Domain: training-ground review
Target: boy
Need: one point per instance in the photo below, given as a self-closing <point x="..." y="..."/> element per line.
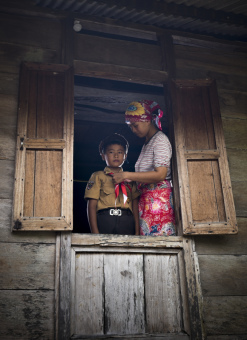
<point x="112" y="209"/>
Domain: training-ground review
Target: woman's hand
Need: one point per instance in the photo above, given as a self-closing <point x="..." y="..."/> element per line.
<point x="119" y="177"/>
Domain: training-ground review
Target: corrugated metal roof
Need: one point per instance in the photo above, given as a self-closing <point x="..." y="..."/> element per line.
<point x="225" y="19"/>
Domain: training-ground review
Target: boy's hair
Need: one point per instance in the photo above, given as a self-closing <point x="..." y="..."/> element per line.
<point x="115" y="138"/>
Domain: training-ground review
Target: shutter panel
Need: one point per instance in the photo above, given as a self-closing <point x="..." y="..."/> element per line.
<point x="43" y="190"/>
<point x="207" y="205"/>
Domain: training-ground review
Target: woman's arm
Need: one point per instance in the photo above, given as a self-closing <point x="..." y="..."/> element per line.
<point x="159" y="174"/>
<point x="136" y="216"/>
<point x="92" y="215"/>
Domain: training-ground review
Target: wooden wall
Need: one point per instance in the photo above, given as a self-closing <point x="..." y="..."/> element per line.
<point x="223" y="259"/>
<point x="27" y="259"/>
<point x="27" y="272"/>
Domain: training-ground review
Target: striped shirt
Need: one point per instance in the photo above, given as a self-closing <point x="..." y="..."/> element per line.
<point x="157" y="152"/>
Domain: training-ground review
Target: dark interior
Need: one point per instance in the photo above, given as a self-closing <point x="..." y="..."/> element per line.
<point x="99" y="111"/>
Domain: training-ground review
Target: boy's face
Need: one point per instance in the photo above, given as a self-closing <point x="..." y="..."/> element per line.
<point x="114" y="155"/>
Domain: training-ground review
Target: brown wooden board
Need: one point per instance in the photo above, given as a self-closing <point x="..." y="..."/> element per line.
<point x="226" y="314"/>
<point x="117" y="52"/>
<point x="224" y="244"/>
<point x="27" y="314"/>
<point x="27" y="266"/>
<point x="223" y="275"/>
<point x="205" y="188"/>
<point x="43" y="182"/>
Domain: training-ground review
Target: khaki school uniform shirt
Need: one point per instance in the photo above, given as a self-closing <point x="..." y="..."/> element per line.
<point x="101" y="188"/>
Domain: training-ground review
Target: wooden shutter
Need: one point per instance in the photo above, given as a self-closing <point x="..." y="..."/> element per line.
<point x="207" y="205"/>
<point x="43" y="190"/>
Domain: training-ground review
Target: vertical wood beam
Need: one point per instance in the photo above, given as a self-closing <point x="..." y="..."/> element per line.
<point x="194" y="290"/>
<point x="63" y="244"/>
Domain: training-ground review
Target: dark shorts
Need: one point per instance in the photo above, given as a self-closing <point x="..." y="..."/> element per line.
<point x="110" y="222"/>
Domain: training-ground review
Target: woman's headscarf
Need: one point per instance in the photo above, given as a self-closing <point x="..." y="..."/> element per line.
<point x="144" y="111"/>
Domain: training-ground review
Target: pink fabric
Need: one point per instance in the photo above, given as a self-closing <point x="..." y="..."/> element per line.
<point x="156" y="209"/>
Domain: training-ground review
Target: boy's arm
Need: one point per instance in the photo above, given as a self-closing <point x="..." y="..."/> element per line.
<point x="136" y="215"/>
<point x="92" y="215"/>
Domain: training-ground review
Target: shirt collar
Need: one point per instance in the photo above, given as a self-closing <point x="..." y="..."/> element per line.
<point x="107" y="170"/>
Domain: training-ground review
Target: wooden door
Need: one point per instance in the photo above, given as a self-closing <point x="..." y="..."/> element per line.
<point x="128" y="285"/>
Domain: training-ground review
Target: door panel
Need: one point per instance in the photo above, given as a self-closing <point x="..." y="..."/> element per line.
<point x="127" y="290"/>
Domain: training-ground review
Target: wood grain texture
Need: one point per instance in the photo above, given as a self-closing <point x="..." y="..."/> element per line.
<point x="36" y="31"/>
<point x="119" y="72"/>
<point x="124" y="294"/>
<point x="7" y="143"/>
<point x="224" y="244"/>
<point x="233" y="103"/>
<point x="26" y="237"/>
<point x="7" y="179"/>
<point x="223" y="275"/>
<point x="113" y="51"/>
<point x="237" y="159"/>
<point x="27" y="314"/>
<point x="88" y="300"/>
<point x="225" y="315"/>
<point x="239" y="190"/>
<point x="235" y="133"/>
<point x="162" y="294"/>
<point x="11" y="64"/>
<point x="27" y="266"/>
<point x="127" y="241"/>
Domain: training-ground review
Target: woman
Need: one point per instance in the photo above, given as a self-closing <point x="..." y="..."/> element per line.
<point x="152" y="170"/>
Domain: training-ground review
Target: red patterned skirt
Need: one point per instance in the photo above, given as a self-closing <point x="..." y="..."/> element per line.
<point x="156" y="209"/>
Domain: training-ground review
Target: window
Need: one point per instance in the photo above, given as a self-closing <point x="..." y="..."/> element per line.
<point x="44" y="153"/>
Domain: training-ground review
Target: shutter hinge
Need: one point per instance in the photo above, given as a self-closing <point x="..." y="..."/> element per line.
<point x="22" y="143"/>
<point x="17" y="225"/>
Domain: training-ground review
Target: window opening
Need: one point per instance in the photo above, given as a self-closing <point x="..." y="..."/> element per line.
<point x="99" y="111"/>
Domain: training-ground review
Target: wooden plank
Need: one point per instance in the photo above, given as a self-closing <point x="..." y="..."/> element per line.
<point x="43" y="143"/>
<point x="117" y="29"/>
<point x="27" y="314"/>
<point x="7" y="143"/>
<point x="195" y="303"/>
<point x="8" y="236"/>
<point x="224" y="244"/>
<point x="124" y="295"/>
<point x="162" y="294"/>
<point x="8" y="111"/>
<point x="63" y="319"/>
<point x="43" y="223"/>
<point x="48" y="180"/>
<point x="223" y="275"/>
<point x="239" y="189"/>
<point x="135" y="337"/>
<point x="117" y="52"/>
<point x="213" y="60"/>
<point x="201" y="154"/>
<point x="127" y="241"/>
<point x="224" y="81"/>
<point x="36" y="31"/>
<point x="10" y="64"/>
<point x="9" y="84"/>
<point x="88" y="309"/>
<point x="235" y="132"/>
<point x="233" y="103"/>
<point x="27" y="266"/>
<point x="237" y="159"/>
<point x="120" y="73"/>
<point x="7" y="179"/>
<point x="204" y="202"/>
<point x="220" y="311"/>
<point x="132" y="250"/>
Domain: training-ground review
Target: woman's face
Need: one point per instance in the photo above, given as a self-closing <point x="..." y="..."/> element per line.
<point x="140" y="129"/>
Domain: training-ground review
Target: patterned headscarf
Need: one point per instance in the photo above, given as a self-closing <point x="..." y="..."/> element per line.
<point x="144" y="111"/>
